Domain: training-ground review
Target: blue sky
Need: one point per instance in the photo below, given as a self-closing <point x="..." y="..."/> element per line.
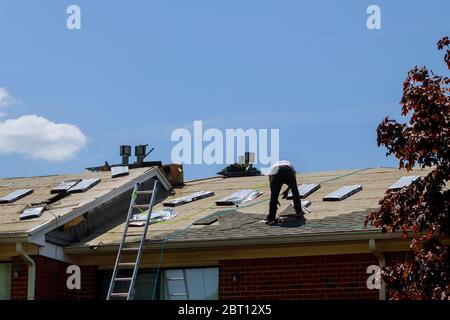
<point x="137" y="70"/>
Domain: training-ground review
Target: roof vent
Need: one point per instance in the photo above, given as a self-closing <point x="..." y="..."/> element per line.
<point x="141" y="153"/>
<point x="125" y="153"/>
<point x="244" y="167"/>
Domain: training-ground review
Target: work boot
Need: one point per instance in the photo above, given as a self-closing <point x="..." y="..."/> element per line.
<point x="272" y="222"/>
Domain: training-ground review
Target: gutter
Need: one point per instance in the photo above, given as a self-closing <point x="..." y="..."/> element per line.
<point x="31" y="271"/>
<point x="381" y="263"/>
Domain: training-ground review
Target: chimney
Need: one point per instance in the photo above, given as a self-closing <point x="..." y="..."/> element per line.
<point x="125" y="153"/>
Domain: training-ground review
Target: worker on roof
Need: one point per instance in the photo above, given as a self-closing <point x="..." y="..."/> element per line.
<point x="282" y="172"/>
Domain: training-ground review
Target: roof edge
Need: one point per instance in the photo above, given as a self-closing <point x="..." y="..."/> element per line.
<point x="198" y="244"/>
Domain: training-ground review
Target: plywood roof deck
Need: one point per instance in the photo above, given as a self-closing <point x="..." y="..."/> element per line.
<point x="374" y="181"/>
<point x="10" y="224"/>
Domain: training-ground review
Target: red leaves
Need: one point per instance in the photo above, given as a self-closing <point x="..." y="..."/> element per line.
<point x="422" y="207"/>
<point x="445" y="42"/>
<point x="426" y="277"/>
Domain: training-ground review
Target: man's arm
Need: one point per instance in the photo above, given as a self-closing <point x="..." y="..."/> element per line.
<point x="285" y="193"/>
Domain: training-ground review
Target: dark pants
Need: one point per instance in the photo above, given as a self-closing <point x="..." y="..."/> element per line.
<point x="285" y="175"/>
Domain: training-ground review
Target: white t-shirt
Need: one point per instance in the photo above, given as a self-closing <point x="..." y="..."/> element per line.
<point x="280" y="163"/>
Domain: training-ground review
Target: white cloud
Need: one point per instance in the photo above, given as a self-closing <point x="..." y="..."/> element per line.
<point x="40" y="138"/>
<point x="5" y="98"/>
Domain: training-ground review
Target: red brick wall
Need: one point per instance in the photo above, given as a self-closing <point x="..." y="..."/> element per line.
<point x="51" y="280"/>
<point x="19" y="279"/>
<point x="317" y="277"/>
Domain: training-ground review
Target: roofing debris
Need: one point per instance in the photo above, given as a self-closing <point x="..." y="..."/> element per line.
<point x="239" y="197"/>
<point x="404" y="182"/>
<point x="165" y="214"/>
<point x="343" y="193"/>
<point x="64" y="186"/>
<point x="15" y="195"/>
<point x="84" y="185"/>
<point x="305" y="189"/>
<point x="189" y="198"/>
<point x="32" y="212"/>
<point x="119" y="171"/>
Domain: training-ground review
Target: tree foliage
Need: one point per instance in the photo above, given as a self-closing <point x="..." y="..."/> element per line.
<point x="422" y="208"/>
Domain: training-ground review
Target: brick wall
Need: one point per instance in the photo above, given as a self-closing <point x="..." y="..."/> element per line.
<point x="19" y="279"/>
<point x="317" y="277"/>
<point x="51" y="280"/>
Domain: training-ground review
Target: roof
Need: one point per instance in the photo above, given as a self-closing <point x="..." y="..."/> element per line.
<point x="67" y="208"/>
<point x="244" y="223"/>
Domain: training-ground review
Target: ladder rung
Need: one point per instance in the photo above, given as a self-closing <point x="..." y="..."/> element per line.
<point x="141" y="206"/>
<point x="119" y="295"/>
<point x="131" y="235"/>
<point x="123" y="279"/>
<point x="127" y="264"/>
<point x="137" y="220"/>
<point x="130" y="249"/>
<point x="144" y="192"/>
<point x="175" y="279"/>
<point x="132" y="232"/>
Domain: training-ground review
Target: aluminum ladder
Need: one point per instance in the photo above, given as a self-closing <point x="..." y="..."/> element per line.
<point x="170" y="295"/>
<point x="119" y="265"/>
